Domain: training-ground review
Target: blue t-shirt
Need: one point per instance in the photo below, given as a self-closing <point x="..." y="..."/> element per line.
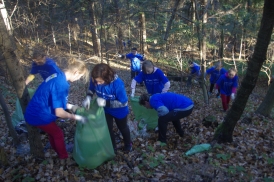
<point x="166" y="102"/>
<point x="215" y="74"/>
<point x="51" y="94"/>
<point x="226" y="84"/>
<point x="154" y="82"/>
<point x="113" y="91"/>
<point x="46" y="69"/>
<point x="135" y="61"/>
<point x="195" y="69"/>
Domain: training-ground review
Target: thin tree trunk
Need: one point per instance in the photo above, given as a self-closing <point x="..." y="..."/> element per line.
<point x="94" y="32"/>
<point x="8" y="120"/>
<point x="8" y="50"/>
<point x="268" y="102"/>
<point x="225" y="130"/>
<point x="143" y="33"/>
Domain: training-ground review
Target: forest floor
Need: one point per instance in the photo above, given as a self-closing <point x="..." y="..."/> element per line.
<point x="250" y="157"/>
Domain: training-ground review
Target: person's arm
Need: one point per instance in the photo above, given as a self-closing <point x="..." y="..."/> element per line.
<point x="166" y="87"/>
<point x="61" y="113"/>
<point x="29" y="79"/>
<point x="133" y="87"/>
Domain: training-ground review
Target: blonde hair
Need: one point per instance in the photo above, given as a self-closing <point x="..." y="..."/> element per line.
<point x="77" y="65"/>
<point x="232" y="69"/>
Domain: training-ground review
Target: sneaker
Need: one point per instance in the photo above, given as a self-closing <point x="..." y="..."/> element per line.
<point x="128" y="148"/>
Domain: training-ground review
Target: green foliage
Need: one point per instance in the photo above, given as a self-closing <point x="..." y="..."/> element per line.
<point x="28" y="179"/>
<point x="223" y="156"/>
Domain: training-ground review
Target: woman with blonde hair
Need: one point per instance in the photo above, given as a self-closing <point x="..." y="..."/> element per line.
<point x="49" y="102"/>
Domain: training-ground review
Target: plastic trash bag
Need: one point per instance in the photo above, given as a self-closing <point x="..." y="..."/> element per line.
<point x="198" y="148"/>
<point x="92" y="142"/>
<point x="149" y="116"/>
<point x="18" y="116"/>
<point x="143" y="129"/>
<point x="133" y="128"/>
<point x="23" y="149"/>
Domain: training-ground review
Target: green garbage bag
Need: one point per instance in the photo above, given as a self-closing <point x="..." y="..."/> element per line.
<point x="18" y="115"/>
<point x="92" y="142"/>
<point x="198" y="148"/>
<point x="147" y="116"/>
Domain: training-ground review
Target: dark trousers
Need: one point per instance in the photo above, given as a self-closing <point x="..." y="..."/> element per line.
<point x="123" y="128"/>
<point x="211" y="88"/>
<point x="134" y="73"/>
<point x="175" y="117"/>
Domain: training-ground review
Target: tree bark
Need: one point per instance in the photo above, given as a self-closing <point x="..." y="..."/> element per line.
<point x="8" y="120"/>
<point x="225" y="131"/>
<point x="94" y="32"/>
<point x="8" y="49"/>
<point x="143" y="33"/>
<point x="268" y="102"/>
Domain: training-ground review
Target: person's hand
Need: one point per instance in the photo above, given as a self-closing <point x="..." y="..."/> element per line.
<point x="81" y="119"/>
<point x="132" y="92"/>
<point x="86" y="102"/>
<point x="232" y="96"/>
<point x="132" y="95"/>
<point x="101" y="102"/>
<point x="74" y="108"/>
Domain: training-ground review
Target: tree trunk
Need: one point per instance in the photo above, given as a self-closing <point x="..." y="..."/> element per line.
<point x="8" y="120"/>
<point x="225" y="131"/>
<point x="94" y="32"/>
<point x="143" y="33"/>
<point x="8" y="49"/>
<point x="171" y="19"/>
<point x="268" y="102"/>
<point x="119" y="28"/>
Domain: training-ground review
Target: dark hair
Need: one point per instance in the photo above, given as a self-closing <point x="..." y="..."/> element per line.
<point x="134" y="49"/>
<point x="143" y="98"/>
<point x="103" y="71"/>
<point x="38" y="54"/>
<point x="147" y="64"/>
<point x="190" y="62"/>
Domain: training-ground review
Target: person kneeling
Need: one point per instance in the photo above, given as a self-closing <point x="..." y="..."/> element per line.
<point x="170" y="107"/>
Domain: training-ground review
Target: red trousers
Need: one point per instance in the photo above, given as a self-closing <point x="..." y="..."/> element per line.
<point x="225" y="101"/>
<point x="56" y="139"/>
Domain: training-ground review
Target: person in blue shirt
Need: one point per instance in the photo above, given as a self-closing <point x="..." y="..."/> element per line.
<point x="170" y="107"/>
<point x="135" y="61"/>
<point x="227" y="83"/>
<point x="111" y="94"/>
<point x="154" y="79"/>
<point x="215" y="72"/>
<point x="41" y="64"/>
<point x="194" y="72"/>
<point x="49" y="102"/>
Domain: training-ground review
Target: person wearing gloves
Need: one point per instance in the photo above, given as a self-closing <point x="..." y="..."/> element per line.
<point x="227" y="83"/>
<point x="154" y="79"/>
<point x="170" y="107"/>
<point x="50" y="101"/>
<point x="194" y="72"/>
<point x="111" y="95"/>
<point x="42" y="65"/>
<point x="135" y="61"/>
<point x="215" y="72"/>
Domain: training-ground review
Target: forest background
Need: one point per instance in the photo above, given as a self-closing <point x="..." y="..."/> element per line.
<point x="170" y="33"/>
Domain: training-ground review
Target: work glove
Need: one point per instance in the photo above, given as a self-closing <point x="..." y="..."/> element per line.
<point x="86" y="102"/>
<point x="232" y="96"/>
<point x="72" y="108"/>
<point x="81" y="119"/>
<point x="101" y="102"/>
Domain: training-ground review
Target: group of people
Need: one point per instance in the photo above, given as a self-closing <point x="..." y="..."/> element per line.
<point x="50" y="100"/>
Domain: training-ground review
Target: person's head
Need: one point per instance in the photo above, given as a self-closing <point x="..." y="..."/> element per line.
<point x="147" y="67"/>
<point x="134" y="50"/>
<point x="218" y="65"/>
<point x="102" y="74"/>
<point x="144" y="101"/>
<point x="76" y="69"/>
<point x="39" y="57"/>
<point x="231" y="73"/>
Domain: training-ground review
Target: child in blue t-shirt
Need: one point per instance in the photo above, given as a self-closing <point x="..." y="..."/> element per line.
<point x="135" y="61"/>
<point x="194" y="72"/>
<point x="42" y="65"/>
<point x="49" y="102"/>
<point x="111" y="94"/>
<point x="215" y="72"/>
<point x="154" y="79"/>
<point x="170" y="107"/>
<point x="227" y="83"/>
